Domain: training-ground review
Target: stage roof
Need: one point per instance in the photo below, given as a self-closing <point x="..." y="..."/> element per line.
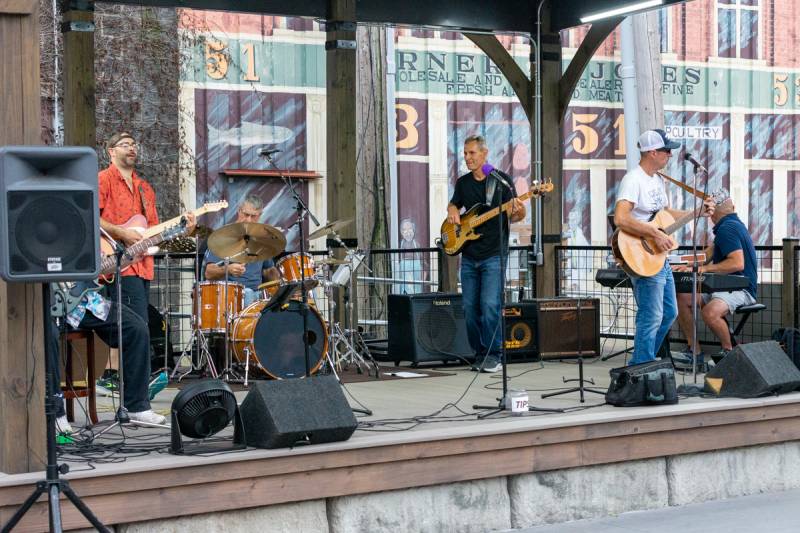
<point x="461" y="15"/>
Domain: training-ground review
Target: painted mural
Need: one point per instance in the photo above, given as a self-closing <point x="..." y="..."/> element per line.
<point x="254" y="81"/>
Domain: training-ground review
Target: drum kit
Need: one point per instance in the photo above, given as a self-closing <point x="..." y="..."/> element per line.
<point x="265" y="339"/>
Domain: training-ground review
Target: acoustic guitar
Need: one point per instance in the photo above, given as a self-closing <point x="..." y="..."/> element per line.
<point x="455" y="236"/>
<point x="637" y="255"/>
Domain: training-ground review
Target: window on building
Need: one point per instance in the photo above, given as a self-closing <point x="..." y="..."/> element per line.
<point x="737" y="28"/>
<point x="665" y="29"/>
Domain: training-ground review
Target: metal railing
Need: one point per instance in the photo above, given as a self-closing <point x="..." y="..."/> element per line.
<point x="578" y="266"/>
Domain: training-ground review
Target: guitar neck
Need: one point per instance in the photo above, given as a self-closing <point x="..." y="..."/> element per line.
<point x="109" y="263"/>
<point x="680" y="222"/>
<point x="491" y="213"/>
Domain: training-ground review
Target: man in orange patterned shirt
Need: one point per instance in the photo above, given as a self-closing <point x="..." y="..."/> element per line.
<point x="123" y="194"/>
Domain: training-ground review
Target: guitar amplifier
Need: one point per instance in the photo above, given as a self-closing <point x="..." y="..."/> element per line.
<point x="566" y="326"/>
<point x="427" y="327"/>
<point x="521" y="335"/>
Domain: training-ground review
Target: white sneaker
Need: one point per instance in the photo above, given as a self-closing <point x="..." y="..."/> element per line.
<point x="148" y="417"/>
<point x="63" y="425"/>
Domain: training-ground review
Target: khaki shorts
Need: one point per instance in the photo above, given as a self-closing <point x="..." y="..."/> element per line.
<point x="734" y="300"/>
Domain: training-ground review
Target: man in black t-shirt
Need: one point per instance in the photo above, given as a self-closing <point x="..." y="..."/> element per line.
<point x="481" y="265"/>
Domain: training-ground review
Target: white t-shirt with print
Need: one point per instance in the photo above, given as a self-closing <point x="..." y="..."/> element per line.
<point x="645" y="192"/>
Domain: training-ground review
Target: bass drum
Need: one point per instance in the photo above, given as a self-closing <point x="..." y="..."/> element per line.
<point x="274" y="340"/>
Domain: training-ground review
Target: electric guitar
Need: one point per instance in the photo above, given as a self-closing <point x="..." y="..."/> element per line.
<point x="139" y="224"/>
<point x="209" y="207"/>
<point x="455" y="236"/>
<point x="638" y="256"/>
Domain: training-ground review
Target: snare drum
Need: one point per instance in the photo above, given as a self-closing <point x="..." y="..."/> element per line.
<point x="274" y="340"/>
<point x="210" y="311"/>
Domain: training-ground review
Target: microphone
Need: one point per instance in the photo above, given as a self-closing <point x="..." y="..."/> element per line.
<point x="489" y="170"/>
<point x="267" y="152"/>
<point x="688" y="157"/>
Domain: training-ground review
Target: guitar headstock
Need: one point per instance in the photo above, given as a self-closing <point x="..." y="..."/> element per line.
<point x="213" y="207"/>
<point x="538" y="189"/>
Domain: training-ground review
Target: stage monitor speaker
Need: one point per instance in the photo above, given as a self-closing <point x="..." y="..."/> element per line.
<point x="290" y="412"/>
<point x="427" y="327"/>
<point x="754" y="369"/>
<point x="49" y="220"/>
<point x="521" y="333"/>
<point x="562" y="332"/>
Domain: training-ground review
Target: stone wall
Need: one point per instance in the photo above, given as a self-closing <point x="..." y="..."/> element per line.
<point x="519" y="501"/>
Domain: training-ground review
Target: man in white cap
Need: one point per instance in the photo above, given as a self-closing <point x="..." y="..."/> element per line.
<point x="640" y="196"/>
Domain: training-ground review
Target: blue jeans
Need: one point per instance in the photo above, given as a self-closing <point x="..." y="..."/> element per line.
<point x="657" y="310"/>
<point x="481" y="280"/>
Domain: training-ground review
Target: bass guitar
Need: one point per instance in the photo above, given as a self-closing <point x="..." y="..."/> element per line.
<point x="638" y="255"/>
<point x="455" y="236"/>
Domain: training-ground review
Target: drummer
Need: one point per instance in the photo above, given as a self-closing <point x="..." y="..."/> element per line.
<point x="251" y="275"/>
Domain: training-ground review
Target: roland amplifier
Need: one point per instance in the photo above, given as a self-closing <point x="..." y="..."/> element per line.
<point x="427" y="327"/>
<point x="566" y="327"/>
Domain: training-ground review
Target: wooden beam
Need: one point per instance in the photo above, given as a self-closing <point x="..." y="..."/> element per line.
<point x="552" y="150"/>
<point x="501" y="57"/>
<point x="598" y="33"/>
<point x="22" y="429"/>
<point x="79" y="86"/>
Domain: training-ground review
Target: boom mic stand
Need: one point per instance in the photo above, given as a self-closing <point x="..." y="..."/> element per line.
<point x="302" y="210"/>
<point x="53" y="485"/>
<point x="504" y="402"/>
<point x="698" y="169"/>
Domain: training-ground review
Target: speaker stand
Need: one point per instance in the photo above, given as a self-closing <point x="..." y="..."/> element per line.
<point x="52" y="485"/>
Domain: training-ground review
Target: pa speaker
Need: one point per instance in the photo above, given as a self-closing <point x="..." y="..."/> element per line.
<point x="754" y="369"/>
<point x="286" y="413"/>
<point x="427" y="327"/>
<point x="49" y="221"/>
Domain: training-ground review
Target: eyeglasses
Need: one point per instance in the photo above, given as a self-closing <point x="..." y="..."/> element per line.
<point x="127" y="145"/>
<point x="249" y="215"/>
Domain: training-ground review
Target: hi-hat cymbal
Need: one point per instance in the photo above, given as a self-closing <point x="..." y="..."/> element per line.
<point x="332" y="261"/>
<point x="179" y="245"/>
<point x="329" y="228"/>
<point x="247" y="242"/>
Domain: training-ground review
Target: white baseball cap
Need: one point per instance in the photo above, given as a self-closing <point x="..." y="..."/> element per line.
<point x="655" y="139"/>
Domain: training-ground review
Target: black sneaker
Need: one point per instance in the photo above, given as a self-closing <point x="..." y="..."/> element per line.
<point x="476" y="366"/>
<point x="717" y="357"/>
<point x="491" y="364"/>
<point x="683" y="360"/>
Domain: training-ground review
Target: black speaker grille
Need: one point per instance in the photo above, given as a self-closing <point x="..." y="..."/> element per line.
<point x="45" y="224"/>
<point x="436" y="329"/>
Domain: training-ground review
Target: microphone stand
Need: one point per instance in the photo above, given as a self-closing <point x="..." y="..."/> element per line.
<point x="504" y="403"/>
<point x="698" y="169"/>
<point x="302" y="210"/>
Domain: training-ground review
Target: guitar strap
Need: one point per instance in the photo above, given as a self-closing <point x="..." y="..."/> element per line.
<point x="491" y="186"/>
<point x="144" y="202"/>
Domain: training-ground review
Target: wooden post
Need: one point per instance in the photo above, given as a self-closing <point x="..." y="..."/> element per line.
<point x="22" y="427"/>
<point x="790" y="277"/>
<point x="647" y="62"/>
<point x="341" y="102"/>
<point x="551" y="163"/>
<point x="79" y="87"/>
<point x="448" y="273"/>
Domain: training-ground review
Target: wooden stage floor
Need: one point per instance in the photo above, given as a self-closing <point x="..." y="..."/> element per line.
<point x="423" y="431"/>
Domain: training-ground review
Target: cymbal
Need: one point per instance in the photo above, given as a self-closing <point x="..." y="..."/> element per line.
<point x="247" y="242"/>
<point x="332" y="261"/>
<point x="329" y="228"/>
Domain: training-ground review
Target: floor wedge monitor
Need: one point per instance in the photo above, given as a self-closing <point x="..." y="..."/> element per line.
<point x="754" y="369"/>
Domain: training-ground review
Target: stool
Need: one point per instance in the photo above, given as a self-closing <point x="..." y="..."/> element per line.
<point x="71" y="391"/>
<point x="745" y="311"/>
